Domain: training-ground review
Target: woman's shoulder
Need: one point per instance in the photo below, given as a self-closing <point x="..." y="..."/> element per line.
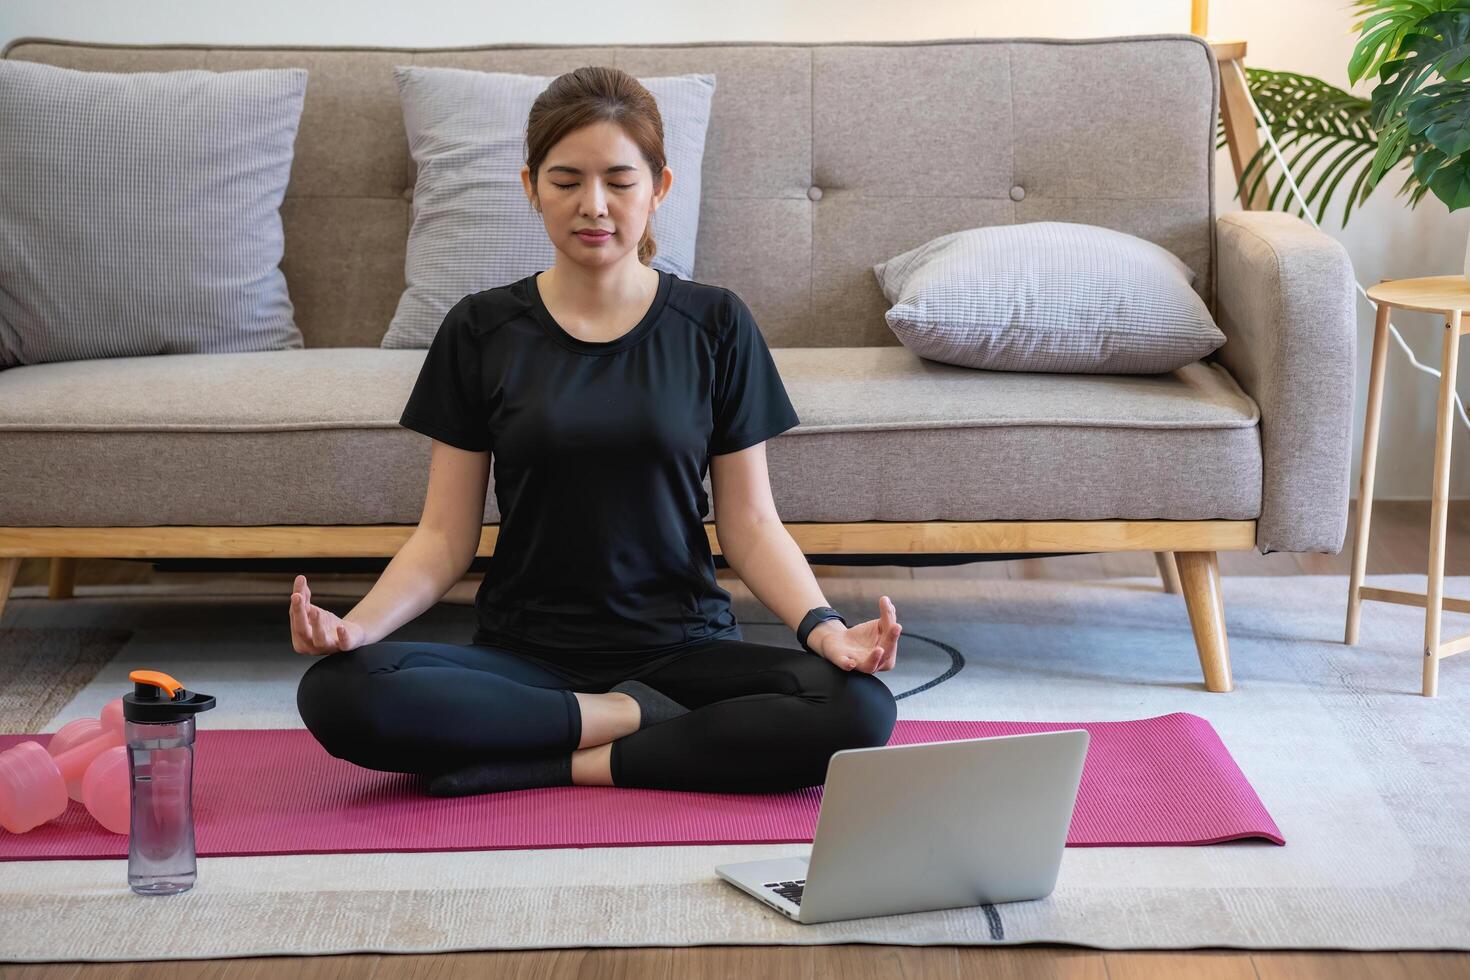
<point x="712" y="305"/>
<point x="488" y="309"/>
<point x="705" y="292"/>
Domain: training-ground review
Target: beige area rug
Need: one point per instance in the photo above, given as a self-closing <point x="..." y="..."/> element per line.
<point x="43" y="669"/>
<point x="1368" y="781"/>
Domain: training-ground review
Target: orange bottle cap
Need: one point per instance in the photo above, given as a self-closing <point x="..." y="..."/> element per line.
<point x="157" y="678"/>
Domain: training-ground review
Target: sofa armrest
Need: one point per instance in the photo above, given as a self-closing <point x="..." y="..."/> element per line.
<point x="1285" y="302"/>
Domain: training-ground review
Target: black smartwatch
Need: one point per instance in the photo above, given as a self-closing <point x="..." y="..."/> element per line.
<point x="811" y="619"/>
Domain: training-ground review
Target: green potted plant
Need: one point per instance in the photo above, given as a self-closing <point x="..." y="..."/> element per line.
<point x="1421" y="105"/>
<point x="1419" y="110"/>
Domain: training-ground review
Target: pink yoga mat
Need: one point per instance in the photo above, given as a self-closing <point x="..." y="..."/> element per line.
<point x="1150" y="782"/>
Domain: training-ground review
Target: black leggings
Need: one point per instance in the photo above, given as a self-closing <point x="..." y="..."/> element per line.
<point x="761" y="719"/>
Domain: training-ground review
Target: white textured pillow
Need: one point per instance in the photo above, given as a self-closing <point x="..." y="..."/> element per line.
<point x="1047" y="296"/>
<point x="140" y="211"/>
<point x="473" y="228"/>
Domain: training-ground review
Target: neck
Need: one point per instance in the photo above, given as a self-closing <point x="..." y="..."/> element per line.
<point x="588" y="290"/>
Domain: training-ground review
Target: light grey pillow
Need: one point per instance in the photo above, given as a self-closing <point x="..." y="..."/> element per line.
<point x="1047" y="296"/>
<point x="473" y="228"/>
<point x="140" y="211"/>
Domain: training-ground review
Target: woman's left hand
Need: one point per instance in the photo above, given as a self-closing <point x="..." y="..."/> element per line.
<point x="869" y="647"/>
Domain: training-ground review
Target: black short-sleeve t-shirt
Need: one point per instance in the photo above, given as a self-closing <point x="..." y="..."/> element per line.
<point x="600" y="450"/>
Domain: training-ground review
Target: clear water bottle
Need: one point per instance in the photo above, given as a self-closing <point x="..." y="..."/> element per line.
<point x="159" y="728"/>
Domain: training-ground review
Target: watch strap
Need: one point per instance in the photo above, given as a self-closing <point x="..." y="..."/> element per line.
<point x="809" y="622"/>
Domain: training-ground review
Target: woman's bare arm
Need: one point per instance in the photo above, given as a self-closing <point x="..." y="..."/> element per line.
<point x="439" y="551"/>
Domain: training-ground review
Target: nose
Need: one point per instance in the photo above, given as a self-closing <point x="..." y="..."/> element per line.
<point x="594" y="199"/>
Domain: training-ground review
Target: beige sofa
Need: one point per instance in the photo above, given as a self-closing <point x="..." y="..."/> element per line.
<point x="821" y="160"/>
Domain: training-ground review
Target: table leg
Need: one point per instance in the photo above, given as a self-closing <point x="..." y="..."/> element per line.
<point x="1444" y="432"/>
<point x="1368" y="466"/>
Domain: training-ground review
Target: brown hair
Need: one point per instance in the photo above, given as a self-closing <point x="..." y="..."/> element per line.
<point x="590" y="94"/>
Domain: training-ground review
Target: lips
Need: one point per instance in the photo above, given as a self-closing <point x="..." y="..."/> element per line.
<point x="595" y="234"/>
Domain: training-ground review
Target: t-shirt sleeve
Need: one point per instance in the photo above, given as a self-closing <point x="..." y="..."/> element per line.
<point x="447" y="402"/>
<point x="750" y="402"/>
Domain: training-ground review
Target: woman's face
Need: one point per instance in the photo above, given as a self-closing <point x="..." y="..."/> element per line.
<point x="596" y="178"/>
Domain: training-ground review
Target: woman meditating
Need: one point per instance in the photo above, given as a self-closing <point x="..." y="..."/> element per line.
<point x="606" y="652"/>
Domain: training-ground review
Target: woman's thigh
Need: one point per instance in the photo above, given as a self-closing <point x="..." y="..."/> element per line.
<point x="410" y="706"/>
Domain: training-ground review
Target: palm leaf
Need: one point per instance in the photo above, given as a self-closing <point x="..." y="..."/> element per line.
<point x="1300" y="109"/>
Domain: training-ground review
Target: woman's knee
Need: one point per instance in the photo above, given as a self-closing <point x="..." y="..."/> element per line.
<point x="331" y="699"/>
<point x="860" y="709"/>
<point x="872" y="711"/>
<point x="857" y="712"/>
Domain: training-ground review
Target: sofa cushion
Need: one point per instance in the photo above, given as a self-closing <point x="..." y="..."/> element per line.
<point x="140" y="211"/>
<point x="311" y="436"/>
<point x="472" y="225"/>
<point x="1047" y="296"/>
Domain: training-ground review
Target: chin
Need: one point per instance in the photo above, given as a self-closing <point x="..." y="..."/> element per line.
<point x="598" y="257"/>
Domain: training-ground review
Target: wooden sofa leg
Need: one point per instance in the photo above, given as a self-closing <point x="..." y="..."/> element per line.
<point x="63" y="577"/>
<point x="9" y="570"/>
<point x="1199" y="577"/>
<point x="1168" y="572"/>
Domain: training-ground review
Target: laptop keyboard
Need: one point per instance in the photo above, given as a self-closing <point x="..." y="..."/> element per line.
<point x="790" y="890"/>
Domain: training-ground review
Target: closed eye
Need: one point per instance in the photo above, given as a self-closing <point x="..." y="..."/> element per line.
<point x="565" y="186"/>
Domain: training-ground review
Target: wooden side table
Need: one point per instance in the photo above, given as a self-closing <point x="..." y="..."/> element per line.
<point x="1450" y="296"/>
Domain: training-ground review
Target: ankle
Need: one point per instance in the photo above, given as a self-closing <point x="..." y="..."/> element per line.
<point x="592" y="766"/>
<point x="628" y="707"/>
<point x="606" y="717"/>
<point x="622" y="715"/>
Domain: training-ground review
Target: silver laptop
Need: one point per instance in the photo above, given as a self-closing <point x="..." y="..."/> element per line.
<point x="932" y="825"/>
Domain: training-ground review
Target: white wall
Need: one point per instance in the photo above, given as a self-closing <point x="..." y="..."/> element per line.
<point x="1384" y="237"/>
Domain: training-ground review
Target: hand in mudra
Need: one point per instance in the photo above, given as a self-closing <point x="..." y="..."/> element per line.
<point x="318" y="631"/>
<point x="869" y="647"/>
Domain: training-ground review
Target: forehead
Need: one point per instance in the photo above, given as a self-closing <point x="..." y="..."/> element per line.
<point x="601" y="146"/>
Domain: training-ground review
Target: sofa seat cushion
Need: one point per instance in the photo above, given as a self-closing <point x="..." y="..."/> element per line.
<point x="886" y="435"/>
<point x="311" y="436"/>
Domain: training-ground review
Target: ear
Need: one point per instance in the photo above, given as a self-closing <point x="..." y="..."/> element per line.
<point x="664" y="185"/>
<point x="527" y="186"/>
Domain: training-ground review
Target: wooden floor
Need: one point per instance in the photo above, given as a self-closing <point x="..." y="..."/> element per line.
<point x="1400" y="543"/>
<point x="826" y="962"/>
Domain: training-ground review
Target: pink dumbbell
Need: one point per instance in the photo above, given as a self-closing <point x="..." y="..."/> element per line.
<point x="86" y="760"/>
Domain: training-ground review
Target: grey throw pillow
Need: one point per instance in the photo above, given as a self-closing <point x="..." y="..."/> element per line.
<point x="1047" y="296"/>
<point x="473" y="228"/>
<point x="140" y="211"/>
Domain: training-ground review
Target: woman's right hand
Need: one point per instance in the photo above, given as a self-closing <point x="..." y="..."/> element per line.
<point x="316" y="631"/>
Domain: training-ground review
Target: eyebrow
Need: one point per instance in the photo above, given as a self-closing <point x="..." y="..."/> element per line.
<point x="573" y="170"/>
